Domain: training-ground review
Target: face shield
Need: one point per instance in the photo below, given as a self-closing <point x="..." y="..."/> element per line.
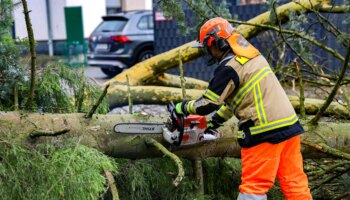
<point x="205" y="53"/>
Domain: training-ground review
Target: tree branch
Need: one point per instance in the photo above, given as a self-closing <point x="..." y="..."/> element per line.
<point x="295" y="33"/>
<point x="333" y="9"/>
<point x="334" y="90"/>
<point x="198" y="172"/>
<point x="38" y="133"/>
<point x="112" y="186"/>
<point x="30" y="103"/>
<point x="182" y="79"/>
<point x="129" y="94"/>
<point x="329" y="179"/>
<point x="320" y="173"/>
<point x="95" y="106"/>
<point x="301" y="88"/>
<point x="81" y="91"/>
<point x="327" y="149"/>
<point x="178" y="162"/>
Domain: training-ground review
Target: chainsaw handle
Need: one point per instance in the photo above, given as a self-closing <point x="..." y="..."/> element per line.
<point x="178" y="120"/>
<point x="180" y="129"/>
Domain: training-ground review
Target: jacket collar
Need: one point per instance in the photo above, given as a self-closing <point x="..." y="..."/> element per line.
<point x="227" y="57"/>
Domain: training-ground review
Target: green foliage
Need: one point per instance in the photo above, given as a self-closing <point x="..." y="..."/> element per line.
<point x="172" y="8"/>
<point x="152" y="179"/>
<point x="59" y="88"/>
<point x="222" y="177"/>
<point x="203" y="11"/>
<point x="5" y="16"/>
<point x="10" y="71"/>
<point x="70" y="171"/>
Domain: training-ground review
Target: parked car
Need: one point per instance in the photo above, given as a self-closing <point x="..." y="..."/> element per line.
<point x="121" y="40"/>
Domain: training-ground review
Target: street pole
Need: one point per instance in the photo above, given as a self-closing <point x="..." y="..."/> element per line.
<point x="49" y="30"/>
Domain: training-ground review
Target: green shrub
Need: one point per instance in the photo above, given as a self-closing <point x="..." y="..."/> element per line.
<point x="71" y="171"/>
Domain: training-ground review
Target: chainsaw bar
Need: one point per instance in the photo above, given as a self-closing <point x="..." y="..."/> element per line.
<point x="139" y="128"/>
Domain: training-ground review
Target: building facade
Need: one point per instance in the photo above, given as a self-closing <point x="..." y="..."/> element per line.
<point x="48" y="19"/>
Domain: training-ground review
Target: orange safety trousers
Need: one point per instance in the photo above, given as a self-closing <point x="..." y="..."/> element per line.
<point x="262" y="163"/>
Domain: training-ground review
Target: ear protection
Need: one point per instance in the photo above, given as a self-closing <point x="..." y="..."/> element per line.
<point x="218" y="42"/>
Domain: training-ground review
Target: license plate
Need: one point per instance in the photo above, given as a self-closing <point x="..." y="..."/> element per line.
<point x="102" y="47"/>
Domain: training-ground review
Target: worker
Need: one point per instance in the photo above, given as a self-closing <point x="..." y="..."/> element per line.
<point x="269" y="130"/>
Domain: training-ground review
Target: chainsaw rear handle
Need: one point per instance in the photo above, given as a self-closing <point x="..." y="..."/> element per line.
<point x="178" y="120"/>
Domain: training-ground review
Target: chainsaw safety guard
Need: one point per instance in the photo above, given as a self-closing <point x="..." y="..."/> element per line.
<point x="262" y="163"/>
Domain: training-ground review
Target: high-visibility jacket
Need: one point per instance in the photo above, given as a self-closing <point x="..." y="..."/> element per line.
<point x="249" y="90"/>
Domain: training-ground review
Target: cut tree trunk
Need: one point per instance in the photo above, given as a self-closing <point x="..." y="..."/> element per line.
<point x="97" y="133"/>
<point x="163" y="95"/>
<point x="146" y="70"/>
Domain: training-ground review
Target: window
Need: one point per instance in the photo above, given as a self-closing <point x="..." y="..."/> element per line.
<point x="111" y="26"/>
<point x="143" y="23"/>
<point x="146" y="22"/>
<point x="150" y="22"/>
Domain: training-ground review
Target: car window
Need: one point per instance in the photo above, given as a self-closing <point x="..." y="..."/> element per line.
<point x="150" y="22"/>
<point x="143" y="22"/>
<point x="111" y="26"/>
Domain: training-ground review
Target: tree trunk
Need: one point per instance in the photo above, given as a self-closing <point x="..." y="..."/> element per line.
<point x="30" y="104"/>
<point x="97" y="133"/>
<point x="163" y="95"/>
<point x="146" y="70"/>
<point x="148" y="95"/>
<point x="170" y="80"/>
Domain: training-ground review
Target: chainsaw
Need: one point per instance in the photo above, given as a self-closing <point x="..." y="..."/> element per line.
<point x="178" y="130"/>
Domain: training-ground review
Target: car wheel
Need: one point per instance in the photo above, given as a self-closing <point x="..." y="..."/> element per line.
<point x="110" y="72"/>
<point x="145" y="55"/>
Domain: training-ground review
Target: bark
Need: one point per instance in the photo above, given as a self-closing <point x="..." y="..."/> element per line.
<point x="111" y="185"/>
<point x="30" y="104"/>
<point x="99" y="101"/>
<point x="163" y="95"/>
<point x="146" y="70"/>
<point x="97" y="132"/>
<point x="198" y="173"/>
<point x="170" y="80"/>
<point x="166" y="152"/>
<point x="118" y="95"/>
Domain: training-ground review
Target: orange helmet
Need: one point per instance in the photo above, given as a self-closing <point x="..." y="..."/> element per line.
<point x="214" y="30"/>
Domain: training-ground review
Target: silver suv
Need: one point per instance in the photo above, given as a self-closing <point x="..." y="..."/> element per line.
<point x="121" y="40"/>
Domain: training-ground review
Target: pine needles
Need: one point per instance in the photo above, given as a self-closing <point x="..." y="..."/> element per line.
<point x="71" y="171"/>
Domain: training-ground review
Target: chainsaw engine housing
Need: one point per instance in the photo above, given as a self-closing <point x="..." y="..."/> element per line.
<point x="194" y="127"/>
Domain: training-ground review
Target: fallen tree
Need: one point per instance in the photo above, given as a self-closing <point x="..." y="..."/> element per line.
<point x="170" y="80"/>
<point x="97" y="133"/>
<point x="118" y="96"/>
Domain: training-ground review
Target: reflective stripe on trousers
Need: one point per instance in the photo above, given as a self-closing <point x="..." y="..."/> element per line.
<point x="242" y="196"/>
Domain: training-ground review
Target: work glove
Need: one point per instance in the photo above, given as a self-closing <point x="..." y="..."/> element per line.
<point x="180" y="108"/>
<point x="213" y="124"/>
<point x="211" y="127"/>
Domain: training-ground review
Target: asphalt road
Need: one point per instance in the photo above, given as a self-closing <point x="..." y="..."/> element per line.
<point x="96" y="73"/>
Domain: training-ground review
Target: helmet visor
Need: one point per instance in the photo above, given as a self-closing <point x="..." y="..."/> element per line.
<point x="208" y="57"/>
<point x="197" y="44"/>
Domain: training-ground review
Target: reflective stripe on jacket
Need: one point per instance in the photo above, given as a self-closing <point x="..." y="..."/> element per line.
<point x="248" y="89"/>
<point x="260" y="97"/>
